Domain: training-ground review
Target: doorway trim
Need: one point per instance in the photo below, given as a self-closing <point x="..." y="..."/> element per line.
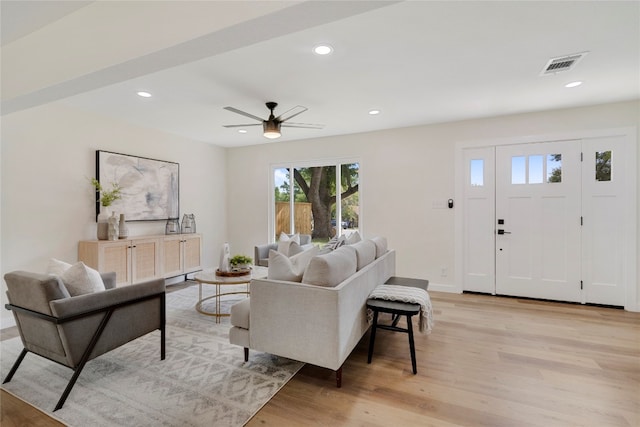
<point x="630" y="139"/>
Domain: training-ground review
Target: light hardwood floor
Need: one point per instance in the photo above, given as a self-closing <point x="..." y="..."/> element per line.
<point x="490" y="361"/>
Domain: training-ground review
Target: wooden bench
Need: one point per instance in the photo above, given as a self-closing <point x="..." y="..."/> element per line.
<point x="396" y="309"/>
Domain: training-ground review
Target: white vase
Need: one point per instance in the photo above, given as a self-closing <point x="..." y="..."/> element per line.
<point x="103" y="223"/>
<point x="113" y="229"/>
<point x="123" y="231"/>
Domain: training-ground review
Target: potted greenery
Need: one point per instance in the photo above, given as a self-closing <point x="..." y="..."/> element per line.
<point x="107" y="197"/>
<point x="241" y="261"/>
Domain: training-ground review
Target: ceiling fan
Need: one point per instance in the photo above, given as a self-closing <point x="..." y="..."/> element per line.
<point x="272" y="125"/>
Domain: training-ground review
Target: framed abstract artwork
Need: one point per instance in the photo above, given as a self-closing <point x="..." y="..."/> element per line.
<point x="150" y="188"/>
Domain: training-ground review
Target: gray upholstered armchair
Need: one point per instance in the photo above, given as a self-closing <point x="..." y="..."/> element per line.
<point x="261" y="252"/>
<point x="73" y="330"/>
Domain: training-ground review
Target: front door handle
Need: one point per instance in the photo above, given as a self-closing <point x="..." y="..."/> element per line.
<point x="503" y="232"/>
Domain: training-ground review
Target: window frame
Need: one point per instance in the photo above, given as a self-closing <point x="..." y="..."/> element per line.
<point x="336" y="162"/>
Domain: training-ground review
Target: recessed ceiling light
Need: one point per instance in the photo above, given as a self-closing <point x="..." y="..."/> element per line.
<point x="144" y="94"/>
<point x="573" y="84"/>
<point x="242" y="131"/>
<point x="323" y="49"/>
<point x="374" y="112"/>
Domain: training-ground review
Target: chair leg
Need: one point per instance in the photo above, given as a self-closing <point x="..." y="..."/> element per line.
<point x="339" y="377"/>
<point x="163" y="326"/>
<point x="372" y="339"/>
<point x="17" y="363"/>
<point x="246" y="354"/>
<point x="84" y="359"/>
<point x="412" y="346"/>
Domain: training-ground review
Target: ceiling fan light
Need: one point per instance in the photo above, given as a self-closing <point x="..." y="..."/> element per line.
<point x="271" y="129"/>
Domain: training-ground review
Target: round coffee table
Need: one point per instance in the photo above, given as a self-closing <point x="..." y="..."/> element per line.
<point x="211" y="278"/>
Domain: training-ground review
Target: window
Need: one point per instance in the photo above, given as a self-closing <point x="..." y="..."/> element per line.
<point x="476" y="169"/>
<point x="535" y="169"/>
<point x="603" y="166"/>
<point x="306" y="201"/>
<point x="519" y="170"/>
<point x="532" y="169"/>
<point x="554" y="168"/>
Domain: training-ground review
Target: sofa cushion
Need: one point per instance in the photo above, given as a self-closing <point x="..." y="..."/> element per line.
<point x="292" y="268"/>
<point x="331" y="269"/>
<point x="365" y="253"/>
<point x="240" y="313"/>
<point x="80" y="279"/>
<point x="381" y="246"/>
<point x="353" y="238"/>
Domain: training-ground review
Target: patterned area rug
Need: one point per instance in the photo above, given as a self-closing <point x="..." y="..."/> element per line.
<point x="203" y="381"/>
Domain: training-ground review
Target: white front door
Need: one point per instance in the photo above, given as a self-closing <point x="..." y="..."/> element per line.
<point x="538" y="220"/>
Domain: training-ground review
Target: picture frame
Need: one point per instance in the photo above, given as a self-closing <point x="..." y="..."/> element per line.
<point x="150" y="187"/>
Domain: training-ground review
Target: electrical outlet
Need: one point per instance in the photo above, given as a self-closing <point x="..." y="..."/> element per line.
<point x="443" y="271"/>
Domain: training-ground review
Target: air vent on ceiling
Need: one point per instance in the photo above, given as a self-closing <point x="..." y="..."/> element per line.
<point x="562" y="63"/>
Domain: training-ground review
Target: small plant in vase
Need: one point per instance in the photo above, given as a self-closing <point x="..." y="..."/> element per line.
<point x="107" y="197"/>
<point x="241" y="262"/>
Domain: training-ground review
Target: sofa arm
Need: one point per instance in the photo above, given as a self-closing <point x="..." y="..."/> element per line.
<point x="109" y="279"/>
<point x="137" y="310"/>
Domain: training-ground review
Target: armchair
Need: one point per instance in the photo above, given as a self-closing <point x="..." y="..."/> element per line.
<point x="73" y="330"/>
<point x="261" y="252"/>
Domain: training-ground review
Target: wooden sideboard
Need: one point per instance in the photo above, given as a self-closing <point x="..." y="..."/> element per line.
<point x="137" y="259"/>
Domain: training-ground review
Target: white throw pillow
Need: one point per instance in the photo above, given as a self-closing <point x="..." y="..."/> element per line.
<point x="290" y="269"/>
<point x="381" y="246"/>
<point x="331" y="269"/>
<point x="335" y="243"/>
<point x="289" y="247"/>
<point x="353" y="238"/>
<point x="57" y="267"/>
<point x="80" y="279"/>
<point x="285" y="237"/>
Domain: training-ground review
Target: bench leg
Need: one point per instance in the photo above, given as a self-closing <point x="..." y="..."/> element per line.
<point x="246" y="354"/>
<point x="372" y="339"/>
<point x="412" y="347"/>
<point x="339" y="377"/>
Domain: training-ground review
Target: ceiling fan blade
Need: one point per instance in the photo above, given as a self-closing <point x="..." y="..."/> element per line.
<point x="244" y="113"/>
<point x="302" y="125"/>
<point x="298" y="109"/>
<point x="241" y="126"/>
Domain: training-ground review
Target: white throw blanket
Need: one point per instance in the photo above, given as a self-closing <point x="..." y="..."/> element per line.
<point x="409" y="295"/>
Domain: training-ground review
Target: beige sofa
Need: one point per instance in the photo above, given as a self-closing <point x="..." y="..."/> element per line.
<point x="313" y="323"/>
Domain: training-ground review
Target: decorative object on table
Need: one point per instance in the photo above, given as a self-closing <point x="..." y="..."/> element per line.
<point x="152" y="185"/>
<point x="225" y="255"/>
<point x="188" y="224"/>
<point x="113" y="227"/>
<point x="172" y="227"/>
<point x="104" y="199"/>
<point x="123" y="230"/>
<point x="241" y="262"/>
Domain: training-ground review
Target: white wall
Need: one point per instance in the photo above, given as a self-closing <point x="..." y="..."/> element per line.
<point x="48" y="205"/>
<point x="402" y="172"/>
<point x="48" y="152"/>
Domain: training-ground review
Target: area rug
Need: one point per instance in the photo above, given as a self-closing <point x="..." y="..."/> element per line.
<point x="203" y="381"/>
